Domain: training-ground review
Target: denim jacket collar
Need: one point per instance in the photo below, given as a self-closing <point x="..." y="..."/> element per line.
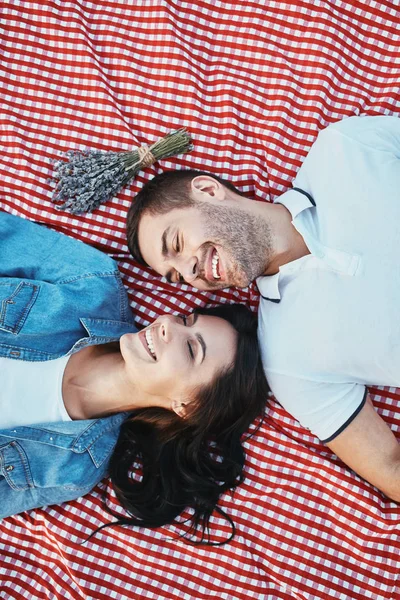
<point x="77" y="436"/>
<point x="101" y="331"/>
<point x="106" y="328"/>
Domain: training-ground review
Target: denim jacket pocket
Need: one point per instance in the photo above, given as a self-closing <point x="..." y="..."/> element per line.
<point x="14" y="466"/>
<point x="15" y="303"/>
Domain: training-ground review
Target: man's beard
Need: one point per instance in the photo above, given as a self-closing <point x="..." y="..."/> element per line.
<point x="245" y="239"/>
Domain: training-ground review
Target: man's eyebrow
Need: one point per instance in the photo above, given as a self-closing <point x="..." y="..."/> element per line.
<point x="164" y="247"/>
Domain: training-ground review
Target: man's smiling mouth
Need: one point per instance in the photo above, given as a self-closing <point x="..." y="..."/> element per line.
<point x="215" y="265"/>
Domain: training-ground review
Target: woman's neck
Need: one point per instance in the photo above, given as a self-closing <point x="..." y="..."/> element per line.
<point x="94" y="384"/>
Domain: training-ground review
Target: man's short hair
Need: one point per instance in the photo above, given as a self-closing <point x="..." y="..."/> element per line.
<point x="161" y="194"/>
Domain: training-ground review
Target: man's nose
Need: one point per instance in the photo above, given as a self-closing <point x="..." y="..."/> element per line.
<point x="189" y="269"/>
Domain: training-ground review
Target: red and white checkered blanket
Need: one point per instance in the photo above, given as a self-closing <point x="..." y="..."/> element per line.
<point x="253" y="81"/>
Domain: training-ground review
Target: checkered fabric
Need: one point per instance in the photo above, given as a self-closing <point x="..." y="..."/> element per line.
<point x="254" y="82"/>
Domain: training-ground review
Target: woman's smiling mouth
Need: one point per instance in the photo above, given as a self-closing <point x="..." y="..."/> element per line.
<point x="146" y="338"/>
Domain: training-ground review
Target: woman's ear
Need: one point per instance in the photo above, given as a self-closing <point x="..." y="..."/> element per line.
<point x="179" y="408"/>
<point x="206" y="189"/>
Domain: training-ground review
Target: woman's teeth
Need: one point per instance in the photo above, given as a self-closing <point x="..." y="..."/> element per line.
<point x="149" y="341"/>
<point x="214" y="264"/>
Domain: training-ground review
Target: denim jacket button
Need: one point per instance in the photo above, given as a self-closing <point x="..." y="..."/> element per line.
<point x="9" y="468"/>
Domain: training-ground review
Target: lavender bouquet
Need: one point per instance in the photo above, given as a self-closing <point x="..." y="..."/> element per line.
<point x="89" y="178"/>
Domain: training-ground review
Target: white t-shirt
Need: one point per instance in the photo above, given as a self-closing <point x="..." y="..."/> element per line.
<point x="332" y="321"/>
<point x="31" y="392"/>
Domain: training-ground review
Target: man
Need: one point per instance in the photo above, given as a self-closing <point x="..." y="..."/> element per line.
<point x="326" y="257"/>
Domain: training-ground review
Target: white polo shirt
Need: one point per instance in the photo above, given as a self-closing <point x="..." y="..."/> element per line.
<point x="329" y="322"/>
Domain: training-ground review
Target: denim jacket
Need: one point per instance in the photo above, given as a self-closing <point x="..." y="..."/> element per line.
<point x="57" y="295"/>
<point x="54" y="462"/>
<point x="53" y="291"/>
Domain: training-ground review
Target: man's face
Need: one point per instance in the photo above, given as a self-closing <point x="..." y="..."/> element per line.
<point x="209" y="246"/>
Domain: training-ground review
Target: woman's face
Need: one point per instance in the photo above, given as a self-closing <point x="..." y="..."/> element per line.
<point x="174" y="356"/>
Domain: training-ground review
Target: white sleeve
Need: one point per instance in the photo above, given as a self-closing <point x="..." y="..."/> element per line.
<point x="380" y="133"/>
<point x="324" y="408"/>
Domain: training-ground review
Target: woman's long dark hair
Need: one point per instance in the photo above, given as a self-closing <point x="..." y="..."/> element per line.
<point x="163" y="463"/>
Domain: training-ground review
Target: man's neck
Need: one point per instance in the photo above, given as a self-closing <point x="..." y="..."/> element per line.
<point x="288" y="243"/>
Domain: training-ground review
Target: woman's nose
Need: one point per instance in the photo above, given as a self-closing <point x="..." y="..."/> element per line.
<point x="170" y="327"/>
<point x="167" y="324"/>
<point x="163" y="330"/>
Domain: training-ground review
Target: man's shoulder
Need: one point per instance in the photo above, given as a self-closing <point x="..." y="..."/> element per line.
<point x="376" y="132"/>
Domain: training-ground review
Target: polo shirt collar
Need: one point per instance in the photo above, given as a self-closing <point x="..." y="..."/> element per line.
<point x="295" y="200"/>
<point x="268" y="286"/>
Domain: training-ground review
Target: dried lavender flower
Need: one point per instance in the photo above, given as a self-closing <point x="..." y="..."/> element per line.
<point x="89" y="178"/>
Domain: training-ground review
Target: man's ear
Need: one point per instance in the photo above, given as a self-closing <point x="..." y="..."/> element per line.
<point x="179" y="408"/>
<point x="205" y="188"/>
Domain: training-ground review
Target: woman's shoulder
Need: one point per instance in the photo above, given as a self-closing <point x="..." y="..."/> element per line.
<point x="54" y="462"/>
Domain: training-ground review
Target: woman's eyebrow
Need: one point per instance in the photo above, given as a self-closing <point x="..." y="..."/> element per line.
<point x="199" y="337"/>
<point x="202" y="344"/>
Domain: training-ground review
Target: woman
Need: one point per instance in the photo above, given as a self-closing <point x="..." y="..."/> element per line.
<point x="165" y="365"/>
<point x="67" y="341"/>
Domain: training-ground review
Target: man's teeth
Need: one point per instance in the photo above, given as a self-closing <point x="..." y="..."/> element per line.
<point x="214" y="264"/>
<point x="149" y="341"/>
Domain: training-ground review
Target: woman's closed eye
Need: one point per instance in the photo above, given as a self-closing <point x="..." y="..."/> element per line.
<point x="189" y="342"/>
<point x="191" y="351"/>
